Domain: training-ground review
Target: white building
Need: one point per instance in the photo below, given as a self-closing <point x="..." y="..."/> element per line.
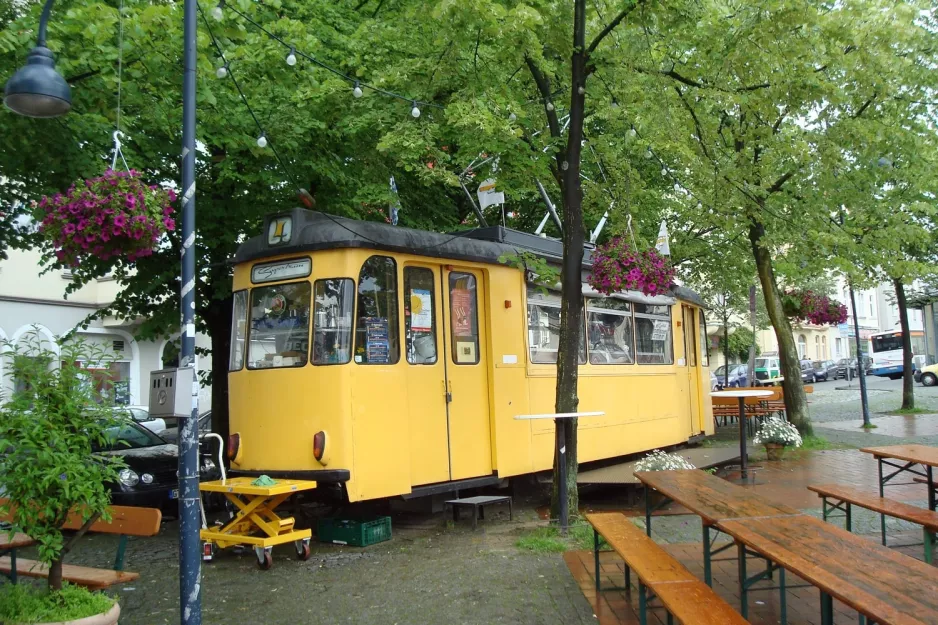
<point x="33" y="302"/>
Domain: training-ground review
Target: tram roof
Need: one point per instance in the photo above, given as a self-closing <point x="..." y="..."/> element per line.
<point x="313" y="231"/>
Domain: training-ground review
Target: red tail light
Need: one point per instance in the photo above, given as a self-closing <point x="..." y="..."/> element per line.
<point x="319" y="445"/>
<point x="234" y="447"/>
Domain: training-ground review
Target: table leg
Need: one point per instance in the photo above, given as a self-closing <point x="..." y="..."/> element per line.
<point x="560" y="435"/>
<point x="475" y="517"/>
<point x="708" y="576"/>
<point x="596" y="560"/>
<point x="642" y="604"/>
<point x="782" y="600"/>
<point x="742" y="437"/>
<point x="827" y="609"/>
<point x="882" y="517"/>
<point x="12" y="566"/>
<point x="931" y="488"/>
<point x="743" y="591"/>
<point x="648" y="510"/>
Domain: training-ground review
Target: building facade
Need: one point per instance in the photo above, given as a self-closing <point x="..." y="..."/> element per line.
<point x="34" y="307"/>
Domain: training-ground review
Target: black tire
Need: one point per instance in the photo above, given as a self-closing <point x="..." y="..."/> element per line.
<point x="929" y="379"/>
<point x="895" y="376"/>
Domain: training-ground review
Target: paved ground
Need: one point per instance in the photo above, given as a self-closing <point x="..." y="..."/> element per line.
<point x="433" y="572"/>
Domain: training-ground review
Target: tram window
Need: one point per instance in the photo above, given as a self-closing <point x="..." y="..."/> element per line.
<point x="332" y="321"/>
<point x="419" y="316"/>
<point x="544" y="329"/>
<point x="611" y="333"/>
<point x="464" y="318"/>
<point x="653" y="339"/>
<point x="704" y="345"/>
<point x="377" y="340"/>
<point x="238" y="326"/>
<point x="279" y="330"/>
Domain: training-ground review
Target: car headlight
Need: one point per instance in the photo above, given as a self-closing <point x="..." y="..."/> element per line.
<point x="146" y="478"/>
<point x="127" y="477"/>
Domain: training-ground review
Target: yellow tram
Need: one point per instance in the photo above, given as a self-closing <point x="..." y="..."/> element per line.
<point x="388" y="361"/>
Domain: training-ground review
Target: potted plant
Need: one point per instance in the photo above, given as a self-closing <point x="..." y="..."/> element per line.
<point x="619" y="266"/>
<point x="113" y="215"/>
<point x="50" y="427"/>
<point x="815" y="308"/>
<point x="659" y="460"/>
<point x="776" y="434"/>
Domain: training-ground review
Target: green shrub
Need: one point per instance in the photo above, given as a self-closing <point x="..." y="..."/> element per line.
<point x="24" y="603"/>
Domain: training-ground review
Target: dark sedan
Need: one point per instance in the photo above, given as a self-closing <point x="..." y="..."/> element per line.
<point x="824" y="370"/>
<point x="150" y="478"/>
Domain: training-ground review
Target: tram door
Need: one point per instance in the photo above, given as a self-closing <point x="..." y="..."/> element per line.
<point x="470" y="440"/>
<point x="691" y="345"/>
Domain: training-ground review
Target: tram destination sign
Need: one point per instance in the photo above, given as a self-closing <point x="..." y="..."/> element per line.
<point x="284" y="270"/>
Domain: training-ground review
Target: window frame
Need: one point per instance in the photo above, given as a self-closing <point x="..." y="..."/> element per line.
<point x="703" y="339"/>
<point x="249" y="330"/>
<point x="654" y="317"/>
<point x="312" y="325"/>
<point x="527" y="328"/>
<point x="629" y="314"/>
<point x="476" y="325"/>
<point x="244" y="346"/>
<point x="405" y="305"/>
<point x="397" y="303"/>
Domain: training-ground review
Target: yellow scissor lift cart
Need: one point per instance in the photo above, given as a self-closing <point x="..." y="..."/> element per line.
<point x="256" y="523"/>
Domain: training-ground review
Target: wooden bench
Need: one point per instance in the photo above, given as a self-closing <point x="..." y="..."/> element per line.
<point x="847" y="496"/>
<point x="125" y="521"/>
<point x="685" y="597"/>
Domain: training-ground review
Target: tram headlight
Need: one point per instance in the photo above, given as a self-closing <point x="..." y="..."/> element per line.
<point x="234" y="448"/>
<point x="319" y="448"/>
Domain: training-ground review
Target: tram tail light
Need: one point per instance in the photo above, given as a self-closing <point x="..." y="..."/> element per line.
<point x="234" y="448"/>
<point x="319" y="446"/>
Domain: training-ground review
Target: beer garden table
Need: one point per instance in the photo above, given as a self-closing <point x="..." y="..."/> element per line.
<point x="742" y="394"/>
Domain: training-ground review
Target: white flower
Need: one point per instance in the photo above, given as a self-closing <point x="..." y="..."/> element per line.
<point x="659" y="460"/>
<point x="776" y="430"/>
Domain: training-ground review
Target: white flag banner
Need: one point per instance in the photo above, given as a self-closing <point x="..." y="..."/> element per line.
<point x="663" y="245"/>
<point x="488" y="196"/>
<point x="395" y="205"/>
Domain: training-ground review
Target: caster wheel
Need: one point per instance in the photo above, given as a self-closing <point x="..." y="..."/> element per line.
<point x="302" y="550"/>
<point x="265" y="558"/>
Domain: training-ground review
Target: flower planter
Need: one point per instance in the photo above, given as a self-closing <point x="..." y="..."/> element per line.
<point x="108" y="618"/>
<point x="774" y="451"/>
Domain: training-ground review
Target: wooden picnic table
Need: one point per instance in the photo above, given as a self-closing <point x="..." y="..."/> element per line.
<point x="711" y="498"/>
<point x="918" y="460"/>
<point x="9" y="545"/>
<point x="742" y="394"/>
<point x="883" y="585"/>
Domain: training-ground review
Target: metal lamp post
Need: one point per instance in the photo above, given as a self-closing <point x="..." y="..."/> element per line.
<point x="37" y="89"/>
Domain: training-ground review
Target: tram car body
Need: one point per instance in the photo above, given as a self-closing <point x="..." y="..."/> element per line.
<point x="393" y="362"/>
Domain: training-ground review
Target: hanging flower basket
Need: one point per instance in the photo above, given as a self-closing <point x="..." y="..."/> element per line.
<point x="618" y="266"/>
<point x="114" y="215"/>
<point x="814" y="308"/>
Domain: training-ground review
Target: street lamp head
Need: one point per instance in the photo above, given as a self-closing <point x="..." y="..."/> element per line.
<point x="37" y="89"/>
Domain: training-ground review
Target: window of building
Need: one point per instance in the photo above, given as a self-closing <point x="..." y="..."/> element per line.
<point x="377" y="334"/>
<point x="464" y="318"/>
<point x="419" y="316"/>
<point x="611" y="332"/>
<point x="824" y="353"/>
<point x="279" y="329"/>
<point x="333" y="300"/>
<point x="802" y="346"/>
<point x="653" y="340"/>
<point x="239" y="313"/>
<point x="544" y="328"/>
<point x="817" y="347"/>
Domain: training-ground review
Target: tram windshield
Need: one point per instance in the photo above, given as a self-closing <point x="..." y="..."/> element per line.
<point x="279" y="327"/>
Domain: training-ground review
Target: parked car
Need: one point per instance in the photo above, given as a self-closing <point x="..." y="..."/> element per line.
<point x="767" y="368"/>
<point x="737" y="376"/>
<point x="171" y="435"/>
<point x="714" y="383"/>
<point x="824" y="370"/>
<point x="928" y="375"/>
<point x="150" y="479"/>
<point x="141" y="415"/>
<point x="807" y="372"/>
<point x="851" y="363"/>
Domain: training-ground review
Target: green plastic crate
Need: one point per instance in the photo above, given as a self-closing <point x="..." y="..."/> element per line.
<point x="354" y="532"/>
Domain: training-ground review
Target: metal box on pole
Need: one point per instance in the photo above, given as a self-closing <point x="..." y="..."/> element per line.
<point x="171" y="392"/>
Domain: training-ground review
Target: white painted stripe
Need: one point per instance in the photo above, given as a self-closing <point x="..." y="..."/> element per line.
<point x="190" y="330"/>
<point x="190" y="240"/>
<point x="185" y="152"/>
<point x="188" y="287"/>
<point x="188" y="195"/>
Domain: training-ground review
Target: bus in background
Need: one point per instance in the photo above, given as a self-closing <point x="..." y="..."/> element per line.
<point x="886" y="350"/>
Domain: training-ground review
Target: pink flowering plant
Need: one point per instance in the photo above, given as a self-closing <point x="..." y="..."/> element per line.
<point x="814" y="308"/>
<point x="114" y="215"/>
<point x="617" y="266"/>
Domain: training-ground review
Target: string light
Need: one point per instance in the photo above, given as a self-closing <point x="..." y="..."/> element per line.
<point x="677" y="186"/>
<point x="222" y="72"/>
<point x="615" y="103"/>
<point x="632" y="133"/>
<point x="664" y="171"/>
<point x="415" y="112"/>
<point x="262" y="140"/>
<point x="357" y="90"/>
<point x="217" y="12"/>
<point x="648" y="153"/>
<point x="581" y="89"/>
<point x="512" y="117"/>
<point x="550" y="106"/>
<point x="291" y="57"/>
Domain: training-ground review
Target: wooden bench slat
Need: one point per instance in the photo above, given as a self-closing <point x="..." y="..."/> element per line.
<point x="883" y="505"/>
<point x="95" y="579"/>
<point x="16" y="541"/>
<point x="695" y="603"/>
<point x="126" y="520"/>
<point x="641" y="554"/>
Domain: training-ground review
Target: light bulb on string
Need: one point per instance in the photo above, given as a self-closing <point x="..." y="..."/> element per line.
<point x="262" y="140"/>
<point x="648" y="153"/>
<point x="664" y="171"/>
<point x="291" y="57"/>
<point x="677" y="186"/>
<point x="581" y="89"/>
<point x="217" y="12"/>
<point x="222" y="72"/>
<point x="357" y="90"/>
<point x="632" y="133"/>
<point x="699" y="205"/>
<point x="615" y="103"/>
<point x="550" y="106"/>
<point x="415" y="111"/>
<point x="512" y="117"/>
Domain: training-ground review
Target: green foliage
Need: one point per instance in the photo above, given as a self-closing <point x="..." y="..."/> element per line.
<point x="52" y="427"/>
<point x="538" y="272"/>
<point x="24" y="603"/>
<point x="740" y="341"/>
<point x="548" y="539"/>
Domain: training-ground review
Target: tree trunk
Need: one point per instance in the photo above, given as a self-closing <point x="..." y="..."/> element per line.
<point x="908" y="392"/>
<point x="55" y="574"/>
<point x="571" y="307"/>
<point x="796" y="402"/>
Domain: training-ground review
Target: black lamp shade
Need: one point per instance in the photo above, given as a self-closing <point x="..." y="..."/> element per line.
<point x="37" y="89"/>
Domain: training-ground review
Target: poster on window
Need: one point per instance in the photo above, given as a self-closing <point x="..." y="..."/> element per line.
<point x="462" y="302"/>
<point x="421" y="311"/>
<point x="660" y="333"/>
<point x="377" y="348"/>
